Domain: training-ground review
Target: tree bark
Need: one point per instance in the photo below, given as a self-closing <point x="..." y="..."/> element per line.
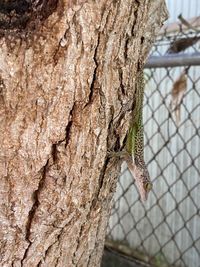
<point x="67" y="77"/>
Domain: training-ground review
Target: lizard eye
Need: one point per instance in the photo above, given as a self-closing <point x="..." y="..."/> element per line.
<point x="148" y="186"/>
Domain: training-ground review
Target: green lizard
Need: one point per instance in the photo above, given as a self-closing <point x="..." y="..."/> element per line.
<point x="134" y="149"/>
<point x="135" y="143"/>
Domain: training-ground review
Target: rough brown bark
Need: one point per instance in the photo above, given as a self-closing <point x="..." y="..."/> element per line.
<point x="67" y="74"/>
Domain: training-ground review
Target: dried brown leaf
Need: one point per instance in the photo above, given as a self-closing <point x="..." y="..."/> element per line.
<point x="177" y="94"/>
<point x="182" y="44"/>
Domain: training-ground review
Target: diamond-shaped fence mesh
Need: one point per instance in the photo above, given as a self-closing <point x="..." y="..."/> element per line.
<point x="165" y="231"/>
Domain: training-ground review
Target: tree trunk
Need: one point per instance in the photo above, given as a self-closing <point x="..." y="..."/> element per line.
<point x="67" y="76"/>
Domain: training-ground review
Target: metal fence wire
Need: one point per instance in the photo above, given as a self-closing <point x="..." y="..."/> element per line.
<point x="165" y="231"/>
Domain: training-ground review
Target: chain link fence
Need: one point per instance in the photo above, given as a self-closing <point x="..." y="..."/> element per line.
<point x="165" y="231"/>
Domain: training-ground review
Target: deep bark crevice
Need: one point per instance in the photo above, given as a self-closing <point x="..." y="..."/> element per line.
<point x="137" y="4"/>
<point x="35" y="205"/>
<point x="67" y="132"/>
<point x="121" y="74"/>
<point x="100" y="182"/>
<point x="69" y="125"/>
<point x="94" y="77"/>
<point x="54" y="153"/>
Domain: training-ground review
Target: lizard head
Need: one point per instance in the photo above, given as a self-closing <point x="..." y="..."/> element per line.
<point x="144" y="186"/>
<point x="147" y="186"/>
<point x="142" y="180"/>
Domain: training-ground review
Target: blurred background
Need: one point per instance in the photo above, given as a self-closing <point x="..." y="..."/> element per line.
<point x="165" y="231"/>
